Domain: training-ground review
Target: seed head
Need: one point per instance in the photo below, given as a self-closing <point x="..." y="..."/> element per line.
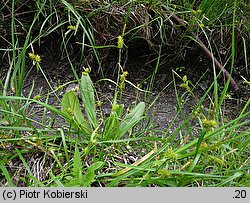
<point x="115" y="107"/>
<point x="35" y="57"/>
<point x="99" y="103"/>
<point x="209" y="123"/>
<point x="70" y="111"/>
<point x="87" y="71"/>
<point x="72" y="27"/>
<point x="170" y="154"/>
<point x="37" y="97"/>
<point x="120" y="42"/>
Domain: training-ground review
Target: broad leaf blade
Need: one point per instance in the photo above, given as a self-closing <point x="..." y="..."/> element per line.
<point x="88" y="98"/>
<point x="77" y="165"/>
<point x="132" y="118"/>
<point x="89" y="177"/>
<point x="111" y="127"/>
<point x="71" y="106"/>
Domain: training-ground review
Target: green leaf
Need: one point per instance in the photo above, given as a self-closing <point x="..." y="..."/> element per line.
<point x="77" y="165"/>
<point x="228" y="180"/>
<point x="201" y="137"/>
<point x="3" y="121"/>
<point x="89" y="177"/>
<point x="132" y="118"/>
<point x="7" y="175"/>
<point x="111" y="127"/>
<point x="71" y="106"/>
<point x="120" y="110"/>
<point x="88" y="98"/>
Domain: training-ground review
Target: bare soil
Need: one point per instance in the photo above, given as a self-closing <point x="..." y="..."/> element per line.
<point x="162" y="110"/>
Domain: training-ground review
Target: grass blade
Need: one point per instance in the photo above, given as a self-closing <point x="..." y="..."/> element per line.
<point x="7" y="175"/>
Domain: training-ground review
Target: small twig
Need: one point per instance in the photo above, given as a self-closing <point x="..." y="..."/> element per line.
<point x="181" y="22"/>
